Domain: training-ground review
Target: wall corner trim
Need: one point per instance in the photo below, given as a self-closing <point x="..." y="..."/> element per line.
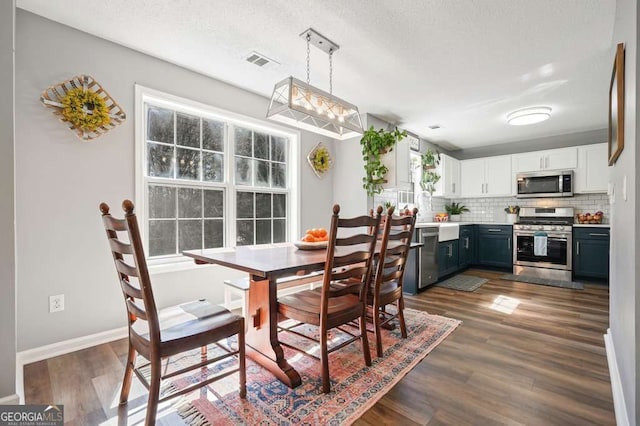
<point x="622" y="418"/>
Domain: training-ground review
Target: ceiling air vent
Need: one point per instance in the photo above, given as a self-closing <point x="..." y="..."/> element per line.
<point x="260" y="60"/>
<point x="434" y="126"/>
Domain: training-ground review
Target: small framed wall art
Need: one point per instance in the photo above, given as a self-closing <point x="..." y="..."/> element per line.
<point x="616" y="106"/>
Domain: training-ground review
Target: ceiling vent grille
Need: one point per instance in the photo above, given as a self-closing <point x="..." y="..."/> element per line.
<point x="260" y="60"/>
<point x="434" y="127"/>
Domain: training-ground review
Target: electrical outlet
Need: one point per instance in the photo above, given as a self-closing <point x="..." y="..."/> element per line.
<point x="56" y="303"/>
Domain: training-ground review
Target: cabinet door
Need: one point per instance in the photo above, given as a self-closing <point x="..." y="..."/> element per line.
<point x="592" y="174"/>
<point x="591" y="258"/>
<point x="527" y="162"/>
<point x="472" y="177"/>
<point x="565" y="158"/>
<point x="498" y="176"/>
<point x="398" y="163"/>
<point x="464" y="249"/>
<point x="451" y="176"/>
<point x="495" y="247"/>
<point x="443" y="259"/>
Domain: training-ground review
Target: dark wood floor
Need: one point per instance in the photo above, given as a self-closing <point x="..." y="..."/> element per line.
<point x="541" y="362"/>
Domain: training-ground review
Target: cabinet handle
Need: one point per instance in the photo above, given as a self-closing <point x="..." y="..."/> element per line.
<point x="450" y="250"/>
<point x="541" y="166"/>
<point x="598" y="234"/>
<point x="578" y="249"/>
<point x="453" y="187"/>
<point x="494" y="230"/>
<point x="487" y="188"/>
<point x="466" y="242"/>
<point x="509" y="243"/>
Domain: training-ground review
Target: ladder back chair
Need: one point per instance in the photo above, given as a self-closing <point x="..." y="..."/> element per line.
<point x="156" y="335"/>
<point x="389" y="275"/>
<point x="349" y="263"/>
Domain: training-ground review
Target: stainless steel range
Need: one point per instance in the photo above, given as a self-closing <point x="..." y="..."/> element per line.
<point x="542" y="242"/>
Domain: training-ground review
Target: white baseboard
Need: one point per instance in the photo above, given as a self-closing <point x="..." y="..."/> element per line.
<point x="10" y="400"/>
<point x="619" y="405"/>
<point x="61" y="348"/>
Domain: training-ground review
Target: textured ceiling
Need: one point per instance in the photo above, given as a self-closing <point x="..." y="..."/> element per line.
<point x="460" y="64"/>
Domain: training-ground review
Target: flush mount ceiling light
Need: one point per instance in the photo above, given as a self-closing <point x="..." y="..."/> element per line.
<point x="531" y="115"/>
<point x="304" y="106"/>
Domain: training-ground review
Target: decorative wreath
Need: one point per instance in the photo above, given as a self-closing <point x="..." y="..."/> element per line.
<point x="320" y="160"/>
<point x="85" y="109"/>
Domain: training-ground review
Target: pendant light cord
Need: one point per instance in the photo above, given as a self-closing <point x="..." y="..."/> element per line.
<point x="308" y="52"/>
<point x="331" y="71"/>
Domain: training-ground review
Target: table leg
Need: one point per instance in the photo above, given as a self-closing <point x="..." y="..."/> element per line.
<point x="262" y="333"/>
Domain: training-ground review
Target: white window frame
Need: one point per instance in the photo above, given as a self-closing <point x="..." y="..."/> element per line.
<point x="145" y="95"/>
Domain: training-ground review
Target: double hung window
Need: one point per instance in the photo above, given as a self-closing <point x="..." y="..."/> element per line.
<point x="211" y="179"/>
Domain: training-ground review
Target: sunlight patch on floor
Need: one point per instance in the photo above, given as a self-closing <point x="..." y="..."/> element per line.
<point x="505" y="304"/>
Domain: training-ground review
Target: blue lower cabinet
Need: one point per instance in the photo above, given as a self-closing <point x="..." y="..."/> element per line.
<point x="447" y="257"/>
<point x="465" y="247"/>
<point x="591" y="253"/>
<point x="495" y="246"/>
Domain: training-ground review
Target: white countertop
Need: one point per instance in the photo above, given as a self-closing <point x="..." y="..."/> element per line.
<point x="592" y="225"/>
<point x="425" y="224"/>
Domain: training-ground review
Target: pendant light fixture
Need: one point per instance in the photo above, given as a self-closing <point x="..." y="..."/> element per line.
<point x="304" y="106"/>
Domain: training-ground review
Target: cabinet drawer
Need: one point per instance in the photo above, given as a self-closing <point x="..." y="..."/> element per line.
<point x="495" y="229"/>
<point x="595" y="233"/>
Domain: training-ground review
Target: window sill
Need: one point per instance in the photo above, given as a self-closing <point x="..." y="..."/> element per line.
<point x="182" y="265"/>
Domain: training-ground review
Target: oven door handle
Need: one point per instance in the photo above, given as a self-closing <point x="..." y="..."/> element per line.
<point x="549" y="235"/>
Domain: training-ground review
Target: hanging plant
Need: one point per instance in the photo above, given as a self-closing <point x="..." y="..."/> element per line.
<point x="320" y="160"/>
<point x="376" y="143"/>
<point x="85" y="109"/>
<point x="429" y="160"/>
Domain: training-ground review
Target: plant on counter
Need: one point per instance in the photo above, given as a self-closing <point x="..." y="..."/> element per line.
<point x="512" y="209"/>
<point x="374" y="144"/>
<point x="455" y="208"/>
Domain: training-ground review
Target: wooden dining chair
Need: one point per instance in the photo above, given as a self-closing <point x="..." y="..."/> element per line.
<point x="389" y="274"/>
<point x="349" y="262"/>
<point x="157" y="335"/>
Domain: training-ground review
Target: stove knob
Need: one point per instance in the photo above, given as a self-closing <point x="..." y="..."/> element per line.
<point x="553" y="228"/>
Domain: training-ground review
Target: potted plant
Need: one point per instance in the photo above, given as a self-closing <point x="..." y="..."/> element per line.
<point x="512" y="213"/>
<point x="455" y="210"/>
<point x="429" y="160"/>
<point x="376" y="143"/>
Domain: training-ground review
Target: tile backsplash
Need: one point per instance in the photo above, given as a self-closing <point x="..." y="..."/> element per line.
<point x="492" y="209"/>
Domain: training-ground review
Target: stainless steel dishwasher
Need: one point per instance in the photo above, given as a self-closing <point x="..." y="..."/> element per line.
<point x="428" y="236"/>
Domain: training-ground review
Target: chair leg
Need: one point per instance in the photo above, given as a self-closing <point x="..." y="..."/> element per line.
<point x="324" y="361"/>
<point x="365" y="339"/>
<point x="377" y="329"/>
<point x="242" y="361"/>
<point x="154" y="392"/>
<point x="128" y="375"/>
<point x="403" y="325"/>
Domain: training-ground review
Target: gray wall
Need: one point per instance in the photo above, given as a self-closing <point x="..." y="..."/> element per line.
<point x="550" y="142"/>
<point x="60" y="180"/>
<point x="624" y="300"/>
<point x="7" y="205"/>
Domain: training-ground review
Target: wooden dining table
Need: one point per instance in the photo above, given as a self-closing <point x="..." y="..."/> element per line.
<point x="265" y="264"/>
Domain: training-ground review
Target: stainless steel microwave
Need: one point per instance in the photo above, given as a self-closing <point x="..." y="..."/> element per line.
<point x="545" y="184"/>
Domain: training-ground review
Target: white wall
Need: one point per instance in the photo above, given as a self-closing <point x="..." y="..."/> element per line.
<point x="7" y="205"/>
<point x="60" y="180"/>
<point x="624" y="301"/>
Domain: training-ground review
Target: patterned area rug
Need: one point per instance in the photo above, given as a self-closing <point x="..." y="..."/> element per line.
<point x="354" y="387"/>
<point x="463" y="282"/>
<point x="542" y="281"/>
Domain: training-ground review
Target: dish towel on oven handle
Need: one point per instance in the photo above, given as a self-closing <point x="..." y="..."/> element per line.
<point x="540" y="243"/>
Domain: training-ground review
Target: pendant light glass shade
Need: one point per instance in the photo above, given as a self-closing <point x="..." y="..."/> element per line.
<point x="301" y="105"/>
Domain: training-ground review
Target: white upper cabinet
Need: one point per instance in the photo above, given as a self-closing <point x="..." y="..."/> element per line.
<point x="592" y="174"/>
<point x="554" y="159"/>
<point x="486" y="177"/>
<point x="399" y="163"/>
<point x="449" y="184"/>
